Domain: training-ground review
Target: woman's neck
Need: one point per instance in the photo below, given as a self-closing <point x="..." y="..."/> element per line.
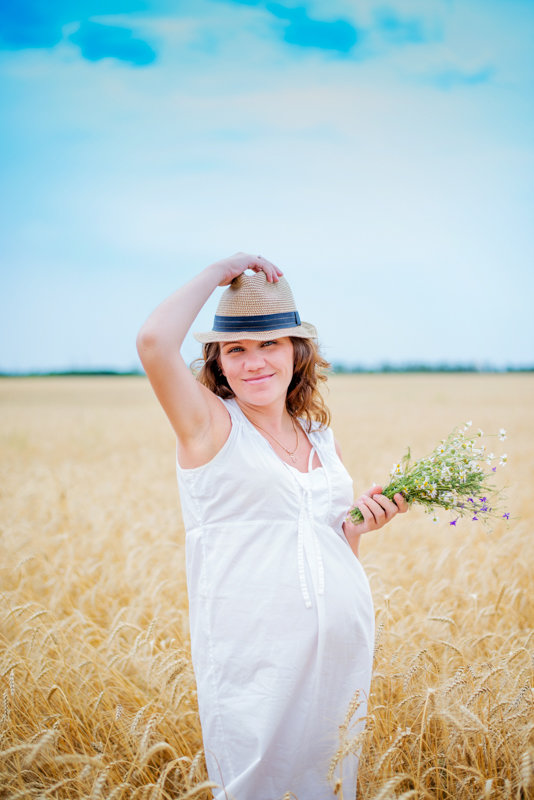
<point x="273" y="417"/>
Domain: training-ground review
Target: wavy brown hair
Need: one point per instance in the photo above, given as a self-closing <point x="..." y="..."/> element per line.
<point x="303" y="398"/>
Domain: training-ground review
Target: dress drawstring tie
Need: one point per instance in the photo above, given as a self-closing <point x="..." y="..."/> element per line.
<point x="308" y="543"/>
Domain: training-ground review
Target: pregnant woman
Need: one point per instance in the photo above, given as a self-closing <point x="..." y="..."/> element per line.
<point x="281" y="615"/>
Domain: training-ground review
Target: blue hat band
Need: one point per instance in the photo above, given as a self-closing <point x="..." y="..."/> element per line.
<point x="259" y="322"/>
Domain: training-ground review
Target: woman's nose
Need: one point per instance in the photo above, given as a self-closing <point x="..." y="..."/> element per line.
<point x="254" y="359"/>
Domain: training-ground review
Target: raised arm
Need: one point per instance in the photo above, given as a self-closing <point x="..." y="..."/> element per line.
<point x="197" y="416"/>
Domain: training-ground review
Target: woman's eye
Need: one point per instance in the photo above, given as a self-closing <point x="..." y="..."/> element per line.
<point x="234" y="350"/>
<point x="266" y="344"/>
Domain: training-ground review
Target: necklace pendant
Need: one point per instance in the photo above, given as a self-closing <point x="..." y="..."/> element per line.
<point x="292" y="457"/>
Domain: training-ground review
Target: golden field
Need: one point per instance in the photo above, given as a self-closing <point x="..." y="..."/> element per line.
<point x="97" y="692"/>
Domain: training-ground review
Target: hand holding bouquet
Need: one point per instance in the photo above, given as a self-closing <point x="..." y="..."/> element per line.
<point x="455" y="476"/>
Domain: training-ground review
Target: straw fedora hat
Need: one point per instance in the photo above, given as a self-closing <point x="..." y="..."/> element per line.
<point x="253" y="308"/>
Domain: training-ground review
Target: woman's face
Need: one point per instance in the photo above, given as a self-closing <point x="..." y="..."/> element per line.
<point x="258" y="372"/>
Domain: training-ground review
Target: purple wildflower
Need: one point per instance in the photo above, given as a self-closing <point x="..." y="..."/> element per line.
<point x="483" y="499"/>
<point x="453" y="522"/>
<point x="506" y="515"/>
<point x="494" y="469"/>
<point x="484" y="508"/>
<point x="470" y="499"/>
<point x="475" y="518"/>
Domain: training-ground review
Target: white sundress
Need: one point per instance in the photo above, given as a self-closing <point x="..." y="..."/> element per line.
<point x="281" y="615"/>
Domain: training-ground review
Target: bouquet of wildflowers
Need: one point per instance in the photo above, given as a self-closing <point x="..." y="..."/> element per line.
<point x="455" y="476"/>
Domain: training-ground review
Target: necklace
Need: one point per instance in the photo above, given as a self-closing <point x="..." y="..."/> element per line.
<point x="291" y="453"/>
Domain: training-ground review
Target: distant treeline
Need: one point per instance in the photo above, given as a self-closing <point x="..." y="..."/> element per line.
<point x="72" y="373"/>
<point x="337" y="368"/>
<point x="420" y="367"/>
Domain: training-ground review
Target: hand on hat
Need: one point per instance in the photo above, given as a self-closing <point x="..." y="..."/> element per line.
<point x="229" y="268"/>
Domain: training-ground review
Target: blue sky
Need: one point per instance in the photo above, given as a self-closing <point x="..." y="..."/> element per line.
<point x="382" y="153"/>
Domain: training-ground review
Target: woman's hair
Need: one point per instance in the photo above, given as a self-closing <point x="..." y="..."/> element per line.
<point x="303" y="400"/>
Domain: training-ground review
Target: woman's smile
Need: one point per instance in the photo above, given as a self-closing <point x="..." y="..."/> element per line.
<point x="259" y="378"/>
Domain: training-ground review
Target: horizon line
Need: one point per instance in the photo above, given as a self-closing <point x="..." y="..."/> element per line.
<point x="337" y="368"/>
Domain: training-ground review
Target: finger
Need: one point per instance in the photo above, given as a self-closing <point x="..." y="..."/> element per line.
<point x="276" y="271"/>
<point x="401" y="502"/>
<point x="369" y="522"/>
<point x="388" y="505"/>
<point x="262" y="264"/>
<point x="375" y="508"/>
<point x="375" y="489"/>
<point x="270" y="276"/>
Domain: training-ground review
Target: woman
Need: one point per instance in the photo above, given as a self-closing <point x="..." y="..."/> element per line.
<point x="282" y="621"/>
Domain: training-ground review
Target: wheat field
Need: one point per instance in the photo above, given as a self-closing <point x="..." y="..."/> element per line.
<point x="97" y="691"/>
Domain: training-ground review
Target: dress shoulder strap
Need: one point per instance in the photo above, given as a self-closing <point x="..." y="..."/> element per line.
<point x="318" y="433"/>
<point x="233" y="409"/>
